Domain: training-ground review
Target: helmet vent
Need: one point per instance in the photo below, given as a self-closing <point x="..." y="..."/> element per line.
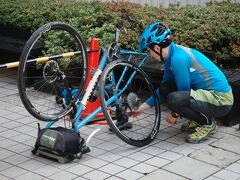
<point x="154" y="28"/>
<point x="160" y="31"/>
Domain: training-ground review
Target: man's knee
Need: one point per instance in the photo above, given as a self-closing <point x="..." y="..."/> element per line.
<point x="171" y="100"/>
<point x="178" y="99"/>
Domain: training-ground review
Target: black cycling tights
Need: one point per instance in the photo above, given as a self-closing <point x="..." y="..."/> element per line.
<point x="182" y="103"/>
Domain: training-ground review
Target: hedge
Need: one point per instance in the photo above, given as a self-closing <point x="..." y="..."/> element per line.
<point x="212" y="28"/>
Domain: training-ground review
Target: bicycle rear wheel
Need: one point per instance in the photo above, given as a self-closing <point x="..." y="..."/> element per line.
<point x="124" y="87"/>
<point x="52" y="71"/>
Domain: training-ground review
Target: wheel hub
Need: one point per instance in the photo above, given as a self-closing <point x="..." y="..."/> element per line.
<point x="51" y="71"/>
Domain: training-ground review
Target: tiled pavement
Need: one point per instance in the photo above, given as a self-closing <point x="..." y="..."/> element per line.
<point x="168" y="157"/>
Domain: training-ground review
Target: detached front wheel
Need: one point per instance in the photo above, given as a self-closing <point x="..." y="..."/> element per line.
<point x="52" y="71"/>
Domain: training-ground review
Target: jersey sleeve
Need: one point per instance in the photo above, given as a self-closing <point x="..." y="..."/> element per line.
<point x="167" y="76"/>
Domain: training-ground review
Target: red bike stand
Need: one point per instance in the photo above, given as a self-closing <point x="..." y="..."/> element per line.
<point x="93" y="61"/>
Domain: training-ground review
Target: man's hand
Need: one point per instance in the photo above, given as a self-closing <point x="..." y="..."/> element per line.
<point x="170" y="119"/>
<point x="139" y="111"/>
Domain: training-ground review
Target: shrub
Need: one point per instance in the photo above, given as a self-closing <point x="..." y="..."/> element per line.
<point x="213" y="28"/>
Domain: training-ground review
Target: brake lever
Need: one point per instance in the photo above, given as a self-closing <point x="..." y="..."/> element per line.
<point x="124" y="30"/>
<point x="120" y="28"/>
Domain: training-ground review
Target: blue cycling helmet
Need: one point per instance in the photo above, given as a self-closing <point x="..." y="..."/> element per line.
<point x="155" y="33"/>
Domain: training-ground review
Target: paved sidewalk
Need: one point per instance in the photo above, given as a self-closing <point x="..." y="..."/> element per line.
<point x="168" y="157"/>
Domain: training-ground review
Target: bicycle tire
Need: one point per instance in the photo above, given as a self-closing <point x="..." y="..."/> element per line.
<point x="148" y="123"/>
<point x="55" y="74"/>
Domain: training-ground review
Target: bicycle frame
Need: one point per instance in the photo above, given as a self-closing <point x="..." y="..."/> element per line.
<point x="81" y="104"/>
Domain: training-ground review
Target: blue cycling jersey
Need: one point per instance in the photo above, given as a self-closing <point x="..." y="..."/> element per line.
<point x="190" y="69"/>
